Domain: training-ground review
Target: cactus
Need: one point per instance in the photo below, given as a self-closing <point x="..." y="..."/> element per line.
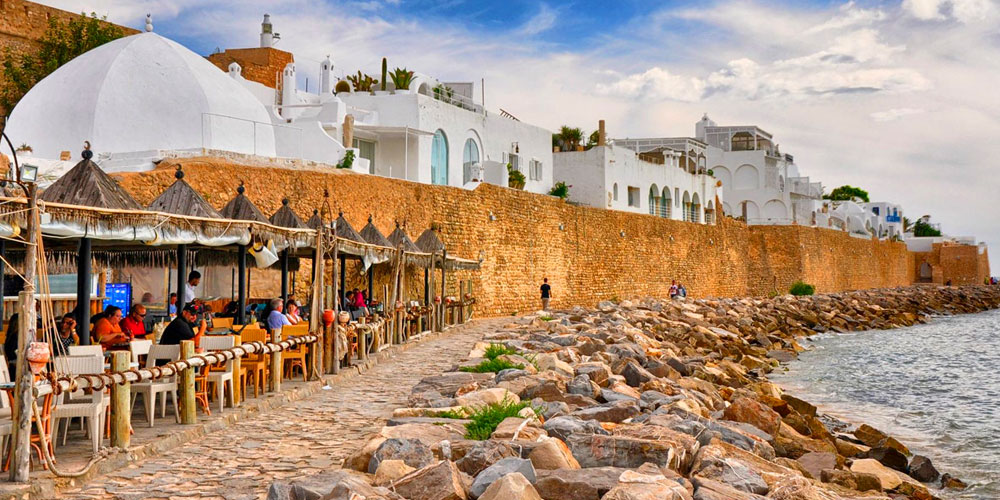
<point x="385" y="68"/>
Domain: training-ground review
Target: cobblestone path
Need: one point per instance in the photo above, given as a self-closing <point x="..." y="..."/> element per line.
<point x="303" y="437"/>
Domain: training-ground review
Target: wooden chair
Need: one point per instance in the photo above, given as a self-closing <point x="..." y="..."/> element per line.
<point x="256" y="364"/>
<point x="296" y="356"/>
<point x="222" y="322"/>
<point x="201" y="389"/>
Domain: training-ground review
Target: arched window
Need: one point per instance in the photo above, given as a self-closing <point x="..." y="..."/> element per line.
<point x="665" y="203"/>
<point x="470" y="157"/>
<point x="614" y="192"/>
<point x="654" y="200"/>
<point x="439" y="159"/>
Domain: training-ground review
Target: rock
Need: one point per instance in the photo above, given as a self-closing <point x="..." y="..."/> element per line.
<point x="782" y="355"/>
<point x="612" y="396"/>
<point x="511" y="487"/>
<point x="951" y="482"/>
<point x="886" y="476"/>
<point x="360" y="459"/>
<point x="849" y="449"/>
<point x="794" y="465"/>
<point x="747" y="410"/>
<point x="448" y="383"/>
<point x="861" y="481"/>
<point x="870" y="436"/>
<point x="429" y="434"/>
<point x="890" y="457"/>
<point x="580" y="484"/>
<point x="814" y="462"/>
<point x="609" y="412"/>
<point x="552" y="453"/>
<point x="323" y="484"/>
<point x="636" y="375"/>
<point x="583" y="386"/>
<point x="923" y="470"/>
<point x="510" y="374"/>
<point x="679" y="365"/>
<point x="391" y="470"/>
<point x="891" y="442"/>
<point x="439" y="481"/>
<point x="484" y="454"/>
<point x="484" y="397"/>
<point x="553" y="363"/>
<point x="737" y="468"/>
<point x="411" y="451"/>
<point x="707" y="489"/>
<point x="526" y="429"/>
<point x="597" y="372"/>
<point x="634" y="486"/>
<point x="799" y="405"/>
<point x="498" y="470"/>
<point x="566" y="425"/>
<point x="618" y="451"/>
<point x="789" y="443"/>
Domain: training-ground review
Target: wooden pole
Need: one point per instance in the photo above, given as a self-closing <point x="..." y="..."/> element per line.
<point x="185" y="386"/>
<point x="316" y="308"/>
<point x="274" y="384"/>
<point x="3" y="272"/>
<point x="181" y="278"/>
<point x="237" y="369"/>
<point x="241" y="298"/>
<point x="21" y="462"/>
<point x="83" y="291"/>
<point x="333" y="359"/>
<point x="121" y="411"/>
<point x="430" y="293"/>
<point x="443" y="306"/>
<point x="284" y="276"/>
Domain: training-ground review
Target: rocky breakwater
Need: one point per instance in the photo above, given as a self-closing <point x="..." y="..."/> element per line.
<point x="644" y="400"/>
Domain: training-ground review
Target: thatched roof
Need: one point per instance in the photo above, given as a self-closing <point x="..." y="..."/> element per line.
<point x="86" y="184"/>
<point x="429" y="242"/>
<point x="372" y="235"/>
<point x="241" y="208"/>
<point x="344" y="230"/>
<point x="285" y="217"/>
<point x="399" y="239"/>
<point x="182" y="199"/>
<point x="314" y="222"/>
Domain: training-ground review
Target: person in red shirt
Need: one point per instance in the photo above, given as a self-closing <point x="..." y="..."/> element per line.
<point x="107" y="330"/>
<point x="134" y="324"/>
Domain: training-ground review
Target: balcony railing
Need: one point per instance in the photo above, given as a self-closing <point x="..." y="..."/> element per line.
<point x="893" y="218"/>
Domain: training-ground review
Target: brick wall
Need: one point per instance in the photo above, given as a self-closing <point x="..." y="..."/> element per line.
<point x="261" y="65"/>
<point x="596" y="254"/>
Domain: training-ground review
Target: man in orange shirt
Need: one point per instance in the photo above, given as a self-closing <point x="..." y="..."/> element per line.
<point x="134" y="325"/>
<point x="108" y="331"/>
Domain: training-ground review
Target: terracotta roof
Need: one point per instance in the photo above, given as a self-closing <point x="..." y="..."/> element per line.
<point x="86" y="184"/>
<point x="372" y="235"/>
<point x="241" y="208"/>
<point x="182" y="199"/>
<point x="285" y="217"/>
<point x="398" y="238"/>
<point x="429" y="241"/>
<point x="344" y="230"/>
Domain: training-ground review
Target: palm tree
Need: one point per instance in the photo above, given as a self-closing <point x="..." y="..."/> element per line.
<point x="569" y="138"/>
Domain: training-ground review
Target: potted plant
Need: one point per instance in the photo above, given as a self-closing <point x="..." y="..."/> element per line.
<point x="362" y="82"/>
<point x="515" y="178"/>
<point x="401" y="78"/>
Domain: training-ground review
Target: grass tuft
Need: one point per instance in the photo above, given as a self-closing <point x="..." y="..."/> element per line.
<point x="491" y="366"/>
<point x="486" y="419"/>
<point x="494" y="351"/>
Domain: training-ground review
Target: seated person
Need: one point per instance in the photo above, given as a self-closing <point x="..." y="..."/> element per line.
<point x="183" y="328"/>
<point x="172" y="305"/>
<point x="134" y="325"/>
<point x="67" y="332"/>
<point x="349" y="302"/>
<point x="108" y="331"/>
<point x="276" y="320"/>
<point x="292" y="312"/>
<point x="231" y="310"/>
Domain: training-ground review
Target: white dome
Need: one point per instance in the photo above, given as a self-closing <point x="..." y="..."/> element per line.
<point x="140" y="93"/>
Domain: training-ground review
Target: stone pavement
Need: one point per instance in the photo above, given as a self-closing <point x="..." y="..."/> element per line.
<point x="301" y="438"/>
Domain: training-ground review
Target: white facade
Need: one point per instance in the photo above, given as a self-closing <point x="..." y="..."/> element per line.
<point x="615" y="177"/>
<point x="885" y="220"/>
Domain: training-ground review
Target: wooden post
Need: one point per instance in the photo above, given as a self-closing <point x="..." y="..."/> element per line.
<point x="121" y="411"/>
<point x="431" y="291"/>
<point x="316" y="309"/>
<point x="335" y="351"/>
<point x="443" y="319"/>
<point x="274" y="384"/>
<point x="461" y="302"/>
<point x="284" y="276"/>
<point x="185" y="386"/>
<point x="237" y="368"/>
<point x="24" y="379"/>
<point x="362" y="345"/>
<point x="83" y="291"/>
<point x="331" y="359"/>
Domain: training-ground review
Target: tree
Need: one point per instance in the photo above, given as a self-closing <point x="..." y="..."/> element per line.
<point x="594" y="137"/>
<point x="847" y="193"/>
<point x="923" y="227"/>
<point x="62" y="41"/>
<point x="568" y="138"/>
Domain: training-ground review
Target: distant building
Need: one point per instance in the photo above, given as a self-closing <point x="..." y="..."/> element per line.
<point x="944" y="259"/>
<point x="661" y="181"/>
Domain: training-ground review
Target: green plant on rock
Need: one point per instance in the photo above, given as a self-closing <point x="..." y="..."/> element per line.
<point x="494" y="351"/>
<point x="484" y="420"/>
<point x="802" y="288"/>
<point x="559" y="190"/>
<point x="401" y="78"/>
<point x="348" y="160"/>
<point x="362" y="82"/>
<point x="491" y="366"/>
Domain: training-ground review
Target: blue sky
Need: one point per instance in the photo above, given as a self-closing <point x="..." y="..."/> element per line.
<point x="893" y="96"/>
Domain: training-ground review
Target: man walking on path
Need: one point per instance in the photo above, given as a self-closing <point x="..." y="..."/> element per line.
<point x="546" y="294"/>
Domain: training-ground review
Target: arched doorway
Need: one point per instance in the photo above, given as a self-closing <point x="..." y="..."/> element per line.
<point x="926" y="273"/>
<point x="665" y="202"/>
<point x="439" y="158"/>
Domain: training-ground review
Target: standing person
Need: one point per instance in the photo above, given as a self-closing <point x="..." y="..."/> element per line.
<point x="134" y="325"/>
<point x="194" y="279"/>
<point x="673" y="288"/>
<point x="108" y="330"/>
<point x="683" y="292"/>
<point x="183" y="328"/>
<point x="546" y="294"/>
<point x="276" y="320"/>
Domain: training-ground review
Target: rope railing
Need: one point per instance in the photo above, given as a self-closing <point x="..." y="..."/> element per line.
<point x="100" y="381"/>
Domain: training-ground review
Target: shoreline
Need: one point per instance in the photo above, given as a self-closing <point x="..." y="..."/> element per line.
<point x="664" y="398"/>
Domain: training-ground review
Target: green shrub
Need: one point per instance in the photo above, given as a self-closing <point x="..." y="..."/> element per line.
<point x="458" y="415"/>
<point x="348" y="159"/>
<point x="494" y="351"/>
<point x="491" y="366"/>
<point x="484" y="420"/>
<point x="560" y="190"/>
<point x="801" y="288"/>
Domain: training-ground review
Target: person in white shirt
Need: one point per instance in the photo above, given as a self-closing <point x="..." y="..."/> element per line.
<point x="194" y="278"/>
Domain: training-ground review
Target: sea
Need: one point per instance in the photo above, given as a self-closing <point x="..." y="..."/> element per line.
<point x="935" y="387"/>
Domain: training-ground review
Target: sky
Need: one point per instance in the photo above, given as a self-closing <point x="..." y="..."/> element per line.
<point x="892" y="96"/>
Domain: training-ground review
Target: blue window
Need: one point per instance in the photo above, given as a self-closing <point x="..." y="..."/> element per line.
<point x="439" y="158"/>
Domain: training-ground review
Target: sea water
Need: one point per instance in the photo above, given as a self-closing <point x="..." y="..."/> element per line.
<point x="935" y="387"/>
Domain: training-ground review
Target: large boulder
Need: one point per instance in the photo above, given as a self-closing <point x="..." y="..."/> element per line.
<point x="448" y="384"/>
<point x="617" y="411"/>
<point x="429" y="434"/>
<point x="708" y="489"/>
<point x="527" y="429"/>
<point x="513" y="486"/>
<point x="322" y="485"/>
<point x="412" y="452"/>
<point x="484" y="397"/>
<point x="593" y="450"/>
<point x="583" y="386"/>
<point x="738" y="468"/>
<point x="634" y="485"/>
<point x="498" y="470"/>
<point x="886" y="476"/>
<point x="565" y="426"/>
<point x="578" y="484"/>
<point x="790" y="443"/>
<point x="923" y="470"/>
<point x="597" y="372"/>
<point x="750" y="411"/>
<point x="552" y="453"/>
<point x="484" y="454"/>
<point x="861" y="481"/>
<point x="438" y="481"/>
<point x="391" y="470"/>
<point x="635" y="375"/>
<point x="814" y="462"/>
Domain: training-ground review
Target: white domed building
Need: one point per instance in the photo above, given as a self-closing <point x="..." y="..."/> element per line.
<point x="136" y="96"/>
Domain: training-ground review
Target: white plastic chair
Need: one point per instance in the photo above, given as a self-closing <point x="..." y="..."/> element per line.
<point x="221" y="378"/>
<point x="90" y="408"/>
<point x="153" y="388"/>
<point x="86" y="350"/>
<point x="139" y="348"/>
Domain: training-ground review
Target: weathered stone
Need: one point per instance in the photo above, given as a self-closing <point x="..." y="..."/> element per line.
<point x="708" y="489"/>
<point x="923" y="470"/>
<point x="391" y="470"/>
<point x="321" y="485"/>
<point x="952" y="482"/>
<point x="789" y="443"/>
<point x="801" y="406"/>
<point x="360" y="459"/>
<point x="550" y="362"/>
<point x="486" y="397"/>
<point x="484" y="454"/>
<point x="870" y="436"/>
<point x="513" y="486"/>
<point x="814" y="462"/>
<point x="410" y="451"/>
<point x="679" y="365"/>
<point x="634" y="486"/>
<point x="635" y="375"/>
<point x="552" y="454"/>
<point x="849" y="449"/>
<point x="861" y="481"/>
<point x="527" y="429"/>
<point x="887" y="477"/>
<point x="564" y="426"/>
<point x="580" y="484"/>
<point x="429" y="434"/>
<point x="498" y="470"/>
<point x="890" y="457"/>
<point x="448" y="383"/>
<point x="609" y="412"/>
<point x="754" y="413"/>
<point x="617" y="451"/>
<point x="440" y="481"/>
<point x="595" y="371"/>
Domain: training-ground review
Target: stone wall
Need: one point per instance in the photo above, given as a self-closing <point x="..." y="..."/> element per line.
<point x="588" y="254"/>
<point x="261" y="65"/>
<point x="958" y="263"/>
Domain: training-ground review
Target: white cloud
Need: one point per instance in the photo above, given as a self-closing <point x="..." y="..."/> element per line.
<point x="895" y="114"/>
<point x="544" y="20"/>
<point x="961" y="10"/>
<point x="655" y="84"/>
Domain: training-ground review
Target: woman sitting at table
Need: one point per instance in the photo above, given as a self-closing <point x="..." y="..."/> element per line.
<point x="108" y="331"/>
<point x="67" y="332"/>
<point x="292" y="312"/>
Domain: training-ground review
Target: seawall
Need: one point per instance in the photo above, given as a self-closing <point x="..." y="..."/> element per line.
<point x="588" y="254"/>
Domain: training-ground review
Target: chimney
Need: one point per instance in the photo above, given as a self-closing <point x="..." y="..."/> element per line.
<point x="266" y="33"/>
<point x="601" y="135"/>
<point x="326" y="76"/>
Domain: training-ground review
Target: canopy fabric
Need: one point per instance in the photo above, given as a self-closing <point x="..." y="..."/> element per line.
<point x="314" y="222"/>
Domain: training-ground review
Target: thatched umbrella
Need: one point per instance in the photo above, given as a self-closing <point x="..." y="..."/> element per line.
<point x="285" y="217"/>
<point x="241" y="208"/>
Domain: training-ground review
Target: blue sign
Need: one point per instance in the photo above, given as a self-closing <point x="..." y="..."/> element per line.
<point x="118" y="294"/>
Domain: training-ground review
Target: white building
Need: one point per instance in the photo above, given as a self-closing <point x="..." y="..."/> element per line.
<point x="143" y="97"/>
<point x="885" y="220"/>
<point x="655" y="182"/>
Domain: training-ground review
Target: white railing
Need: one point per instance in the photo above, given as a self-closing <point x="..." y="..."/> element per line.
<point x="240" y="135"/>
